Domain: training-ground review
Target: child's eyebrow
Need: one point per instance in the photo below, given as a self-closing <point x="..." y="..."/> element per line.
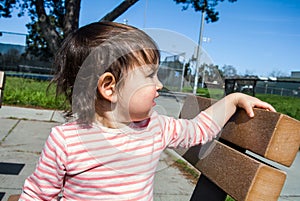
<point x="154" y="68"/>
<point x="149" y="69"/>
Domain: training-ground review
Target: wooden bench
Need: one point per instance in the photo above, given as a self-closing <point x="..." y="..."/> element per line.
<point x="2" y="82"/>
<point x="228" y="169"/>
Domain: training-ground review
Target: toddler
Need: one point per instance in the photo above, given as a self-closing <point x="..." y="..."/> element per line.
<point x="108" y="72"/>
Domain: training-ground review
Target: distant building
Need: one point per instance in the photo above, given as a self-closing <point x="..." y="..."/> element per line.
<point x="4" y="48"/>
<point x="295" y="74"/>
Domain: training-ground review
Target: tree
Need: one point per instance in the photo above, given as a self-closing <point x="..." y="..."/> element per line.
<point x="278" y="73"/>
<point x="211" y="73"/>
<point x="51" y="21"/>
<point x="111" y="16"/>
<point x="207" y="6"/>
<point x="229" y="71"/>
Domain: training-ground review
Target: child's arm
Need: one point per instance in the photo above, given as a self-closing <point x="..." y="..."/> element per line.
<point x="206" y="125"/>
<point x="222" y="110"/>
<point x="47" y="180"/>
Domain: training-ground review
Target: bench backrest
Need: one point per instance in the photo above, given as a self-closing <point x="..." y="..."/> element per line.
<point x="229" y="169"/>
<point x="2" y="82"/>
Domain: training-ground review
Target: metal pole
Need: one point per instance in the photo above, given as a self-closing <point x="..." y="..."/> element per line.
<point x="199" y="54"/>
<point x="182" y="76"/>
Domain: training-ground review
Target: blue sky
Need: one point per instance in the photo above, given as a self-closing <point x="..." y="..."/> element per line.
<point x="255" y="36"/>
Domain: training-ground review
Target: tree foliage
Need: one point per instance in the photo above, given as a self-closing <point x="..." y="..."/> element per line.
<point x="51" y="21"/>
<point x="211" y="73"/>
<point x="229" y="71"/>
<point x="207" y="6"/>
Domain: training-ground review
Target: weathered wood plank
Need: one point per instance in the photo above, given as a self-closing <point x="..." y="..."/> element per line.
<point x="241" y="176"/>
<point x="285" y="142"/>
<point x="13" y="198"/>
<point x="193" y="105"/>
<point x="272" y="135"/>
<point x="1" y="79"/>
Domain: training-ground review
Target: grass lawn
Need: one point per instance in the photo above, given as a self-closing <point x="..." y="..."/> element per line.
<point x="283" y="104"/>
<point x="33" y="93"/>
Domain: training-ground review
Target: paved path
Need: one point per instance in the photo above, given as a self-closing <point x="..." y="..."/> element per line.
<point x="23" y="132"/>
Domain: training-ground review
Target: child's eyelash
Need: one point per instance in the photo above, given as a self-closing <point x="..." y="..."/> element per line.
<point x="152" y="75"/>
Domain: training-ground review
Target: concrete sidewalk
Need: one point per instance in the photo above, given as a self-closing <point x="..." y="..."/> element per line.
<point x="23" y="132"/>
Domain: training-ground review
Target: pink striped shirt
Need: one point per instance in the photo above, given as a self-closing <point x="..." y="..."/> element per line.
<point x="97" y="163"/>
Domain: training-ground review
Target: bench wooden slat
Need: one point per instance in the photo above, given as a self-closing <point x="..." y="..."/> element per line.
<point x="1" y="79"/>
<point x="272" y="135"/>
<point x="14" y="198"/>
<point x="241" y="176"/>
<point x="228" y="169"/>
<point x="193" y="105"/>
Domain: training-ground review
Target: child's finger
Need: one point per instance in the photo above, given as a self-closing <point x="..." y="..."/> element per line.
<point x="265" y="105"/>
<point x="248" y="107"/>
<point x="249" y="111"/>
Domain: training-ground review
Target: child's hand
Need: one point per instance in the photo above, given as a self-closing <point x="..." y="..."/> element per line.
<point x="249" y="102"/>
<point x="222" y="110"/>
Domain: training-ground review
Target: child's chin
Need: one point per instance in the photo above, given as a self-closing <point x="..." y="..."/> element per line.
<point x="142" y="117"/>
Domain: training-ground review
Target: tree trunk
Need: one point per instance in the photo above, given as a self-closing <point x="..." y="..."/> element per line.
<point x="119" y="10"/>
<point x="50" y="34"/>
<point x="71" y="18"/>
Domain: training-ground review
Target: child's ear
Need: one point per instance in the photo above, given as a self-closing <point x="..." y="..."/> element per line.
<point x="107" y="87"/>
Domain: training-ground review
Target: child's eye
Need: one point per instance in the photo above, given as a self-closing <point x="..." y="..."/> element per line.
<point x="152" y="75"/>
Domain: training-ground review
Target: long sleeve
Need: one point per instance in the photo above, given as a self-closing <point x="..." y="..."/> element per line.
<point x="97" y="163"/>
<point x="47" y="180"/>
<point x="186" y="133"/>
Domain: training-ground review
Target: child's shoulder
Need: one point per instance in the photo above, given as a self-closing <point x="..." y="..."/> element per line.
<point x="72" y="126"/>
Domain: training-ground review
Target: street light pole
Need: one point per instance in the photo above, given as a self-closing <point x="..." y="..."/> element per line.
<point x="198" y="53"/>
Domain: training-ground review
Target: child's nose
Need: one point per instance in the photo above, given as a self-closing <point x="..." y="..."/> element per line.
<point x="159" y="85"/>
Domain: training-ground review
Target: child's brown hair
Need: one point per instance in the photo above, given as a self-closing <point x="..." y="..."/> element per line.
<point x="92" y="50"/>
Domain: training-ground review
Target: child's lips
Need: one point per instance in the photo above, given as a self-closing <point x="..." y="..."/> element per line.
<point x="154" y="103"/>
<point x="156" y="95"/>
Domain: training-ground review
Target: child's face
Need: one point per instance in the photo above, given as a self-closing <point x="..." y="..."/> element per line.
<point x="136" y="97"/>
